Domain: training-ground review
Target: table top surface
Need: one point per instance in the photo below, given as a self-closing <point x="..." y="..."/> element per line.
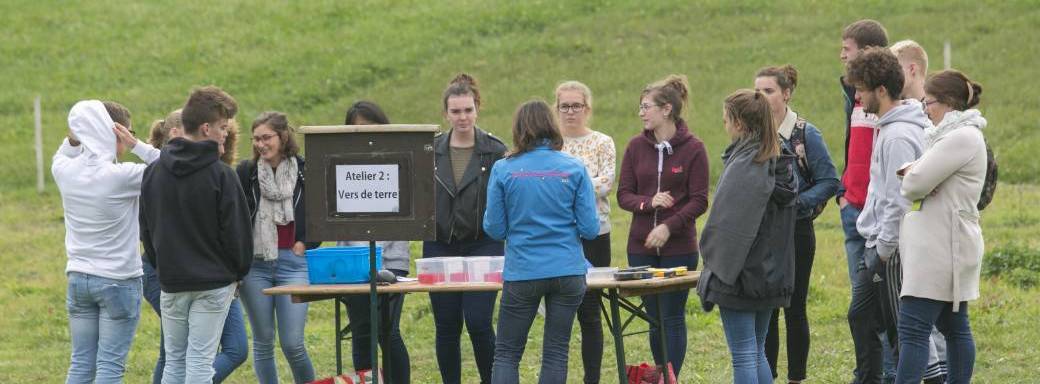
<point x="332" y="290"/>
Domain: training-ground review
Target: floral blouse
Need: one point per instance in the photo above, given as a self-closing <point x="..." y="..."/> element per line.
<point x="597" y="151"/>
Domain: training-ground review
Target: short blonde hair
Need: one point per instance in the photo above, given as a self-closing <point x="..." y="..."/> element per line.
<point x="909" y="50"/>
<point x="572" y="85"/>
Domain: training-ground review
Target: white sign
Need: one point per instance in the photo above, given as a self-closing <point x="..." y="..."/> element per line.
<point x="368" y="188"/>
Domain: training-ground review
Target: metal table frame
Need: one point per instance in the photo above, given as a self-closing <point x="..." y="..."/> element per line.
<point x="617" y="295"/>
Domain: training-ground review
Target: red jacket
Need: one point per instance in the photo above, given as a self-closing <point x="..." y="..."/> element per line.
<point x="684" y="174"/>
<point x="860" y="145"/>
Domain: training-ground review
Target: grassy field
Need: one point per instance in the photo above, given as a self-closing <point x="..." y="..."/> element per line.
<point x="312" y="59"/>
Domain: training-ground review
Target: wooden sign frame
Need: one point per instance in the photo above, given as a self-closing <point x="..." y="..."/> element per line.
<point x="409" y="146"/>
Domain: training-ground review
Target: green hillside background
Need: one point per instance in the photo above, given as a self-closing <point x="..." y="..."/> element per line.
<point x="312" y="59"/>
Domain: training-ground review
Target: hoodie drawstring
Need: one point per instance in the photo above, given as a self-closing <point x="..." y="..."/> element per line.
<point x="662" y="147"/>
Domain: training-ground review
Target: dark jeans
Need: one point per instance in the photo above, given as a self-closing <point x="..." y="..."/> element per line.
<point x="476" y="309"/>
<point x="917" y="316"/>
<point x="597" y="251"/>
<point x="395" y="353"/>
<point x="234" y="348"/>
<point x="855" y="246"/>
<point x="673" y="309"/>
<point x="865" y="321"/>
<point x="795" y="317"/>
<point x="520" y="301"/>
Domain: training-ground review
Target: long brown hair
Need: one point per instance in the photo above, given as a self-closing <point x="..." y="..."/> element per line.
<point x="750" y="111"/>
<point x="673" y="90"/>
<point x="279" y="123"/>
<point x="231" y="143"/>
<point x="533" y="124"/>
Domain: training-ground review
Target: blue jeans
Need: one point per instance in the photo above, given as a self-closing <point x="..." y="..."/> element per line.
<point x="917" y="317"/>
<point x="519" y="304"/>
<point x="476" y="309"/>
<point x="291" y="317"/>
<point x="864" y="290"/>
<point x="103" y="315"/>
<point x="673" y="309"/>
<point x="192" y="322"/>
<point x="746" y="336"/>
<point x="233" y="344"/>
<point x="390" y="341"/>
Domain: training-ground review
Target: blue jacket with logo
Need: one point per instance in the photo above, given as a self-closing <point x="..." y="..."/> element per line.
<point x="541" y="202"/>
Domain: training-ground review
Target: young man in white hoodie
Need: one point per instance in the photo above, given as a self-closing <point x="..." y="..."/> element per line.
<point x="878" y="79"/>
<point x="100" y="197"/>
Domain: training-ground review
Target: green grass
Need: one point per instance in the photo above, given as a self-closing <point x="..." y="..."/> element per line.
<point x="312" y="59"/>
<point x="34" y="339"/>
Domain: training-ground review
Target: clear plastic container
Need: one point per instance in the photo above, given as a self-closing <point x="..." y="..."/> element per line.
<point x="430" y="270"/>
<point x="484" y="268"/>
<point x="599" y="273"/>
<point x="455" y="269"/>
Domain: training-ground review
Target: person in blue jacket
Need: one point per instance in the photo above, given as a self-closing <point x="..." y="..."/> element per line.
<point x="540" y="201"/>
<point x="817" y="183"/>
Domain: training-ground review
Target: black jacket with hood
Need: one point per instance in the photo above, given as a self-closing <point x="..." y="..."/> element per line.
<point x="748" y="240"/>
<point x="194" y="219"/>
<point x="460" y="208"/>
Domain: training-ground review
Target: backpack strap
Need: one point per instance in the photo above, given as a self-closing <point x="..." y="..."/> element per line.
<point x="798" y="145"/>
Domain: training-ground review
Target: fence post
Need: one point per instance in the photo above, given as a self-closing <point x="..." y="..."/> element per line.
<point x="39" y="145"/>
<point x="946" y="55"/>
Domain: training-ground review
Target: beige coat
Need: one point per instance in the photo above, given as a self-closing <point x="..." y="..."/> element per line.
<point x="941" y="243"/>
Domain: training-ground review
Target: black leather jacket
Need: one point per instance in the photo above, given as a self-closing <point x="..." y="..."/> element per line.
<point x="247" y="176"/>
<point x="460" y="208"/>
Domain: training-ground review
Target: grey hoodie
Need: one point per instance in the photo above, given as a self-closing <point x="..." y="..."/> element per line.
<point x="900" y="140"/>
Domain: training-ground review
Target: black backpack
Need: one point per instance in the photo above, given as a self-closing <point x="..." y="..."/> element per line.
<point x="797" y="141"/>
<point x="989" y="186"/>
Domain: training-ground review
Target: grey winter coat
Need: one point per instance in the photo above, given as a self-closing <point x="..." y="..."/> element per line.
<point x="748" y="240"/>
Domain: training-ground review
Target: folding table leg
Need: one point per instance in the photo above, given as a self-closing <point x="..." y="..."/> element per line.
<point x="664" y="341"/>
<point x="339" y="339"/>
<point x="619" y="339"/>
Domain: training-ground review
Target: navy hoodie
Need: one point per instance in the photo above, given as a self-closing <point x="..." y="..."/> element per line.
<point x="194" y="219"/>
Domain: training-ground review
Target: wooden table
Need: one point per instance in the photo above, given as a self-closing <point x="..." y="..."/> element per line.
<point x="616" y="293"/>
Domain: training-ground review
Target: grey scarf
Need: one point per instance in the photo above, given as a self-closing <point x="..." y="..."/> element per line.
<point x="275" y="206"/>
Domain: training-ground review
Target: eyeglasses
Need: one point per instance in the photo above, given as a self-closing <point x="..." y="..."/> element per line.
<point x="263" y="138"/>
<point x="568" y="108"/>
<point x="646" y="107"/>
<point x="576" y="107"/>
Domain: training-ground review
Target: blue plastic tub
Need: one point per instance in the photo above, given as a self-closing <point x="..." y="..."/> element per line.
<point x="340" y="265"/>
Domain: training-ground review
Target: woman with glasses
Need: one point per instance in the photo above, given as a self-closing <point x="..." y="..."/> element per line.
<point x="273" y="183"/>
<point x="664" y="183"/>
<point x="595" y="150"/>
<point x="941" y="241"/>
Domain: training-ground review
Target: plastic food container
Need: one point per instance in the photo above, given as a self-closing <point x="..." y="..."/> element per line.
<point x="340" y="265"/>
<point x="455" y="269"/>
<point x="484" y="268"/>
<point x="430" y="270"/>
<point x="600" y="273"/>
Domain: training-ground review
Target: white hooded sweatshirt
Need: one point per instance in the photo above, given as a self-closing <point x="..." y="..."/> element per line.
<point x="100" y="196"/>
